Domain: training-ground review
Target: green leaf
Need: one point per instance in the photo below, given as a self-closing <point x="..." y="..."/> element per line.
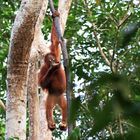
<point x="129" y="32"/>
<point x="75" y="105"/>
<point x="75" y="135"/>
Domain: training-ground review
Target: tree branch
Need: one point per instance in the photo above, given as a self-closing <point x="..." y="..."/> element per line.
<point x="113" y="19"/>
<point x="110" y="131"/>
<point x="126" y="16"/>
<point x="100" y="48"/>
<point x="96" y="37"/>
<point x="122" y="21"/>
<point x="2" y="105"/>
<point x="120" y="126"/>
<point x="112" y="61"/>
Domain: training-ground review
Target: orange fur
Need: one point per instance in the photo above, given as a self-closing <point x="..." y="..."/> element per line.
<point x="52" y="78"/>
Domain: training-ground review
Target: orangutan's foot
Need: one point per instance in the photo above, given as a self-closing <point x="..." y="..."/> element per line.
<point x="51" y="126"/>
<point x="63" y="126"/>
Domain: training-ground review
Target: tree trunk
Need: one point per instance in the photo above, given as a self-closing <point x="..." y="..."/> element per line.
<point x="45" y="133"/>
<point x="63" y="8"/>
<point x="33" y="103"/>
<point x="21" y="39"/>
<point x="37" y="129"/>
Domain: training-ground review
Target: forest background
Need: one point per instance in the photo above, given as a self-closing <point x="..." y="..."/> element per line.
<point x="103" y="40"/>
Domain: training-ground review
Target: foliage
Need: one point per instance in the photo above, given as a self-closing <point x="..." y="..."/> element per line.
<point x="7" y="15"/>
<point x="106" y="98"/>
<point x="109" y="94"/>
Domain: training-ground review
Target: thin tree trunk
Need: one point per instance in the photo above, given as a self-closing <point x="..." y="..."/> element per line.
<point x="34" y="103"/>
<point x="21" y="39"/>
<point x="45" y="133"/>
<point x="63" y="8"/>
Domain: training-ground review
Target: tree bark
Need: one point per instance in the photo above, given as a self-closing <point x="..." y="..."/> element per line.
<point x="63" y="8"/>
<point x="45" y="133"/>
<point x="38" y="127"/>
<point x="33" y="103"/>
<point x="21" y="39"/>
